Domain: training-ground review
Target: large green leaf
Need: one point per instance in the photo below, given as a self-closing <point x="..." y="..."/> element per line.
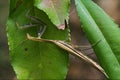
<point x="13" y="5"/>
<point x="103" y="34"/>
<point x="110" y="30"/>
<point x="57" y="10"/>
<point x="34" y="60"/>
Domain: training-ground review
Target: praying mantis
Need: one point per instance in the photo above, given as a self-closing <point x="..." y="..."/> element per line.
<point x="62" y="44"/>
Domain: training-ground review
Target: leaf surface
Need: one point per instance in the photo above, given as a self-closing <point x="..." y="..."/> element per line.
<point x="57" y="10"/>
<point x="34" y="60"/>
<point x="98" y="27"/>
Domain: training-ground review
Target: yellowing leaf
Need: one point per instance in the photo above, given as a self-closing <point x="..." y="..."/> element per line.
<point x="57" y="10"/>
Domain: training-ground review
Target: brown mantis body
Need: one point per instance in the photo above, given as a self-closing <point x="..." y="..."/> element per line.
<point x="61" y="44"/>
<point x="70" y="49"/>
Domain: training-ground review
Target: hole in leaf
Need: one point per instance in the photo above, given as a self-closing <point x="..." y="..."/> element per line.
<point x="26" y="49"/>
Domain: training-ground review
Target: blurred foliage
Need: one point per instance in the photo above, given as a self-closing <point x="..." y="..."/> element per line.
<point x="6" y="71"/>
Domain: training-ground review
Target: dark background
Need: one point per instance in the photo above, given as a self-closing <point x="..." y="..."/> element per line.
<point x="78" y="69"/>
<point x="5" y="68"/>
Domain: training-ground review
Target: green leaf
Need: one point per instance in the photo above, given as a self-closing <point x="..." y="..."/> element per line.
<point x="108" y="27"/>
<point x="14" y="4"/>
<point x="35" y="60"/>
<point x="102" y="33"/>
<point x="57" y="10"/>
